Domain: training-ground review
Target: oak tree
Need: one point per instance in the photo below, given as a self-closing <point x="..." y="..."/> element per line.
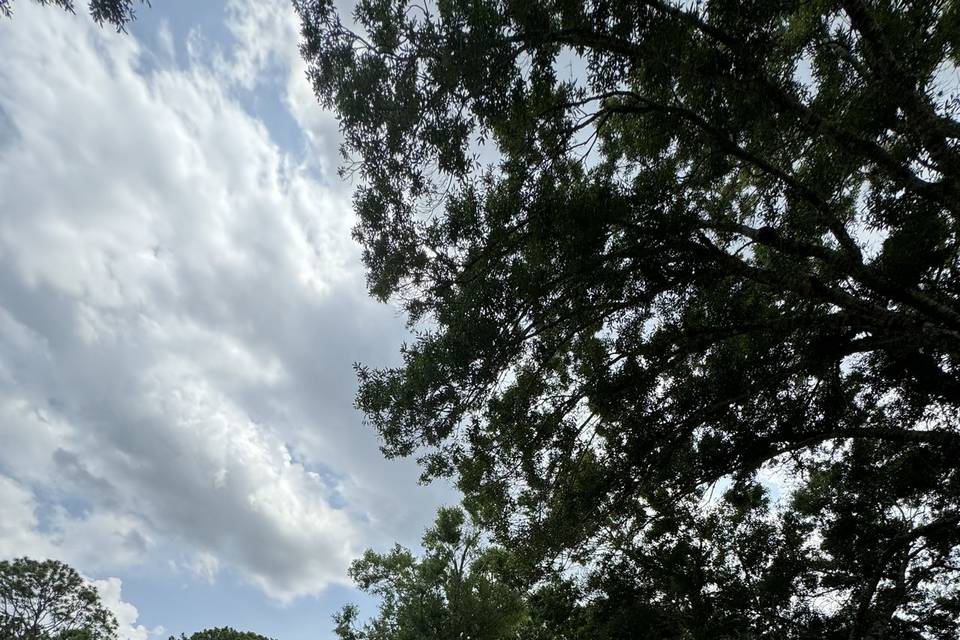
<point x="652" y="248"/>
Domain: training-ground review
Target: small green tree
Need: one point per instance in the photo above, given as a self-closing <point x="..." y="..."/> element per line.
<point x="49" y="600"/>
<point x="221" y="633"/>
<point x="458" y="589"/>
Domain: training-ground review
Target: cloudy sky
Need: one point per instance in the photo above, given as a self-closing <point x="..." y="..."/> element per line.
<point x="180" y="308"/>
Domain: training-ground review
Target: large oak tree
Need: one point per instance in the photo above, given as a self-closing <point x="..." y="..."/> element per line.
<point x="652" y="249"/>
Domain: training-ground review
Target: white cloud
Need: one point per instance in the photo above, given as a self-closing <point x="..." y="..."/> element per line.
<point x="75" y="539"/>
<point x="267" y="36"/>
<point x="17" y="527"/>
<point x="205" y="566"/>
<point x="180" y="303"/>
<point x="110" y="590"/>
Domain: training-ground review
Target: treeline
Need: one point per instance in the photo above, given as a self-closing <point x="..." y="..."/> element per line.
<point x="49" y="600"/>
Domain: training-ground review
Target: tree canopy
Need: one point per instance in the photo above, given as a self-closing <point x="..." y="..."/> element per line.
<point x="460" y="588"/>
<point x="49" y="600"/>
<point x="116" y="13"/>
<point x="684" y="281"/>
<point x="221" y="633"/>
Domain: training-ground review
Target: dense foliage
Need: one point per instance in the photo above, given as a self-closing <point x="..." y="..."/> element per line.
<point x="113" y="12"/>
<point x="460" y="588"/>
<point x="685" y="281"/>
<point x="221" y="633"/>
<point x="48" y="600"/>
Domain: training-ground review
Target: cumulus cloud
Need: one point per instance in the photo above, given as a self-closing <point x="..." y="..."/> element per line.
<point x="30" y="528"/>
<point x="110" y="590"/>
<point x="180" y="303"/>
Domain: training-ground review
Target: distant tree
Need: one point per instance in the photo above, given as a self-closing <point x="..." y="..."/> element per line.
<point x="653" y="247"/>
<point x="458" y="589"/>
<point x="221" y="633"/>
<point x="48" y="600"/>
<point x="113" y="12"/>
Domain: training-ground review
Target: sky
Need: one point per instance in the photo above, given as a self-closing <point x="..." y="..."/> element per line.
<point x="181" y="305"/>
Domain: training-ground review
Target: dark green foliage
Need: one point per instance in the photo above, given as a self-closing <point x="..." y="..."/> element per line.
<point x="49" y="600"/>
<point x="728" y="244"/>
<point x="221" y="633"/>
<point x="459" y="589"/>
<point x="116" y="13"/>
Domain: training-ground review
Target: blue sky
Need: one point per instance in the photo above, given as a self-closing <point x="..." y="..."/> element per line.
<point x="180" y="307"/>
